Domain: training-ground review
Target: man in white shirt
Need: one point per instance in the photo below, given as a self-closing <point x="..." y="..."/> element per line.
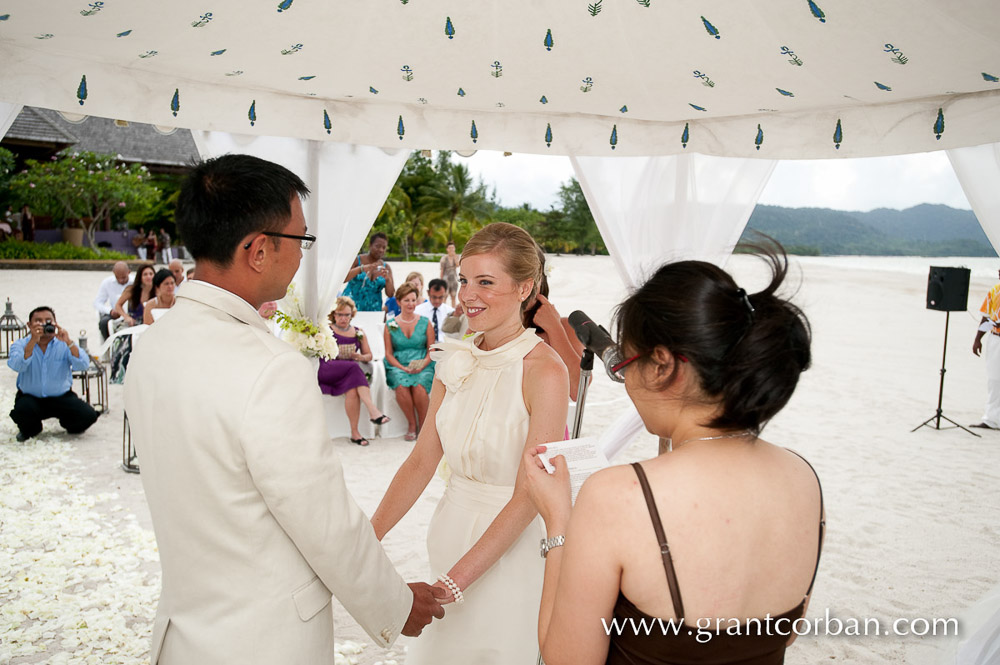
<point x="176" y="269"/>
<point x="109" y="293"/>
<point x="435" y="308"/>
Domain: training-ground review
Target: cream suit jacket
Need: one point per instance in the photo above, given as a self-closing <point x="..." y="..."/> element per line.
<point x="254" y="523"/>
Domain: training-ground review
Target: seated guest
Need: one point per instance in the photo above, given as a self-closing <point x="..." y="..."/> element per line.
<point x="163" y="298"/>
<point x="176" y="268"/>
<point x="408" y="367"/>
<point x="344" y="376"/>
<point x="131" y="308"/>
<point x="435" y="308"/>
<point x="391" y="306"/>
<point x="370" y="275"/>
<point x="108" y="295"/>
<point x="133" y="298"/>
<point x="707" y="366"/>
<point x="190" y="273"/>
<point x="45" y="362"/>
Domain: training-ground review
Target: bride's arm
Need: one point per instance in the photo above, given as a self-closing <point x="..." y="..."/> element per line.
<point x="414" y="473"/>
<point x="546" y="389"/>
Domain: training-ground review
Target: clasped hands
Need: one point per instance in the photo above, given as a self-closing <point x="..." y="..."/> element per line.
<point x="428" y="602"/>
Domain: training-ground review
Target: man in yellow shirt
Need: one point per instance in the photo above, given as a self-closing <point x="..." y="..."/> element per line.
<point x="991" y="324"/>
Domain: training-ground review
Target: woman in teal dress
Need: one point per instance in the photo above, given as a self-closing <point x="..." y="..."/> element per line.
<point x="409" y="370"/>
<point x="369" y="276"/>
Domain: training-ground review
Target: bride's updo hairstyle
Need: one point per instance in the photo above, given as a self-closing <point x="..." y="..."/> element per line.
<point x="517" y="251"/>
<point x="746" y="349"/>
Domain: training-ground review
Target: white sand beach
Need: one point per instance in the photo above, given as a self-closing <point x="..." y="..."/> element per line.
<point x="913" y="530"/>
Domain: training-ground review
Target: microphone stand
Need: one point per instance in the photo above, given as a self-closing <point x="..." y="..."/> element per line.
<point x="586" y="369"/>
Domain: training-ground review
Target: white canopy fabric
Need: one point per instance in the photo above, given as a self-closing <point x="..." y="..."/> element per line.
<point x="759" y="78"/>
<point x="978" y="171"/>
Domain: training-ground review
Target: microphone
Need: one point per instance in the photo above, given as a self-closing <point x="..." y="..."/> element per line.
<point x="597" y="340"/>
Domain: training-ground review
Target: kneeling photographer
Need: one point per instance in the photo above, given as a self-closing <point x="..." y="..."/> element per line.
<point x="45" y="362"/>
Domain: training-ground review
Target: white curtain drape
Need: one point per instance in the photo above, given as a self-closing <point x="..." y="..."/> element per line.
<point x="8" y="112"/>
<point x="651" y="210"/>
<point x="349" y="184"/>
<point x="978" y="171"/>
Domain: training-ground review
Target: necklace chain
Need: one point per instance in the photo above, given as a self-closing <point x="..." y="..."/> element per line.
<point x="410" y="320"/>
<point x="736" y="435"/>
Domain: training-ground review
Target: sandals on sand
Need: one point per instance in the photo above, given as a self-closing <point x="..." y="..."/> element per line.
<point x="381" y="420"/>
<point x="410" y="436"/>
<point x="361" y="442"/>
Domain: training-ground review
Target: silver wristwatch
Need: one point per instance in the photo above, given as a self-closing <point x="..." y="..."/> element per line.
<point x="549" y="543"/>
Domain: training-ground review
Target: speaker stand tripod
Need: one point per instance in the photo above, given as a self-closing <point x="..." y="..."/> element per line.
<point x="938" y="415"/>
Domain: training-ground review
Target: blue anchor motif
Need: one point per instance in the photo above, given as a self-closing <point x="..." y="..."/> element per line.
<point x="685" y="136"/>
<point x="588" y="84"/>
<point x="760" y="138"/>
<point x="372" y="90"/>
<point x="795" y="60"/>
<point x="544" y="99"/>
<point x="614" y="137"/>
<point x="548" y="40"/>
<point x="284" y="5"/>
<point x="705" y="80"/>
<point x="81" y="90"/>
<point x="124" y="34"/>
<point x="219" y="52"/>
<point x="697" y="108"/>
<point x="294" y="48"/>
<point x="939" y="125"/>
<point x="882" y="86"/>
<point x="400" y="130"/>
<point x="838" y="135"/>
<point x="623" y="109"/>
<point x="307" y="78"/>
<point x="474" y="133"/>
<point x="990" y="78"/>
<point x="175" y="103"/>
<point x="497" y="69"/>
<point x="712" y="30"/>
<point x="4" y="17"/>
<point x="252" y="113"/>
<point x="47" y="35"/>
<point x="548" y="135"/>
<point x="900" y="58"/>
<point x="449" y="29"/>
<point x="816" y="11"/>
<point x="327" y="125"/>
<point x="202" y="21"/>
<point x="407" y="73"/>
<point x="785" y="92"/>
<point x="149" y="54"/>
<point x="94" y="8"/>
<point x="461" y="92"/>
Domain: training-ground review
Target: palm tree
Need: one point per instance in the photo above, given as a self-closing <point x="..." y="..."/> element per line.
<point x="455" y="196"/>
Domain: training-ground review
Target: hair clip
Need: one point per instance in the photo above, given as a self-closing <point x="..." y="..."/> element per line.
<point x="742" y="295"/>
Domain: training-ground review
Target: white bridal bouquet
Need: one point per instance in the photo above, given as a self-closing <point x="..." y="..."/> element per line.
<point x="313" y="340"/>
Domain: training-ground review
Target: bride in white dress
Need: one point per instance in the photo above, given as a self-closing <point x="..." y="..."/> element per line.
<point x="495" y="394"/>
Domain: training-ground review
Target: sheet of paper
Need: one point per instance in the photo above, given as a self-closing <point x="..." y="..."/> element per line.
<point x="583" y="457"/>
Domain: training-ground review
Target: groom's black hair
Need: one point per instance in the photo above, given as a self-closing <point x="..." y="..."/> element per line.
<point x="227" y="198"/>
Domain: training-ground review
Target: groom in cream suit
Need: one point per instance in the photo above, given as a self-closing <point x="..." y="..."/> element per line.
<point x="255" y="526"/>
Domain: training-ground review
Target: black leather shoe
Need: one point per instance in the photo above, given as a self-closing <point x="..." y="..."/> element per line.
<point x="21" y="436"/>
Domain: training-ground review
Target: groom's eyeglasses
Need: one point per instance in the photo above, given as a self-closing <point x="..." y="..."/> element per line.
<point x="306" y="240"/>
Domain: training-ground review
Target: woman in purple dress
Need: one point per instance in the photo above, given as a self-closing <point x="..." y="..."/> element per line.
<point x="344" y="375"/>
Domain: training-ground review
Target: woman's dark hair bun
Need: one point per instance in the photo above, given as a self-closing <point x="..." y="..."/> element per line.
<point x="748" y="349"/>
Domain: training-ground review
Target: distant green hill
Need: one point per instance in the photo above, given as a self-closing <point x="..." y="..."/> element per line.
<point x="923" y="230"/>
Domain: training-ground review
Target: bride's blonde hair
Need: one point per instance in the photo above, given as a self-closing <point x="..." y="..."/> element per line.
<point x="516" y="249"/>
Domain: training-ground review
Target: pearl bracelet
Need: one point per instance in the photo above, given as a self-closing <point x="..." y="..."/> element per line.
<point x="456" y="593"/>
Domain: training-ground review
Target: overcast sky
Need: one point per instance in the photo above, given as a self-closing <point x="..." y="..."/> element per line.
<point x="898" y="182"/>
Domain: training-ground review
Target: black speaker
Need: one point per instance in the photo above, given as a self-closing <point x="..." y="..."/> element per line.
<point x="948" y="289"/>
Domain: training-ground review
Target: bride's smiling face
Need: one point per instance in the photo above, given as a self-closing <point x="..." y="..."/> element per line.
<point x="488" y="293"/>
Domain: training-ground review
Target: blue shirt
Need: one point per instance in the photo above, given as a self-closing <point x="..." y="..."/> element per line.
<point x="47" y="374"/>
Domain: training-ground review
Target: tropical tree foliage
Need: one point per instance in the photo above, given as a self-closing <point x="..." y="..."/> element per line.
<point x="436" y="200"/>
<point x="85" y="187"/>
